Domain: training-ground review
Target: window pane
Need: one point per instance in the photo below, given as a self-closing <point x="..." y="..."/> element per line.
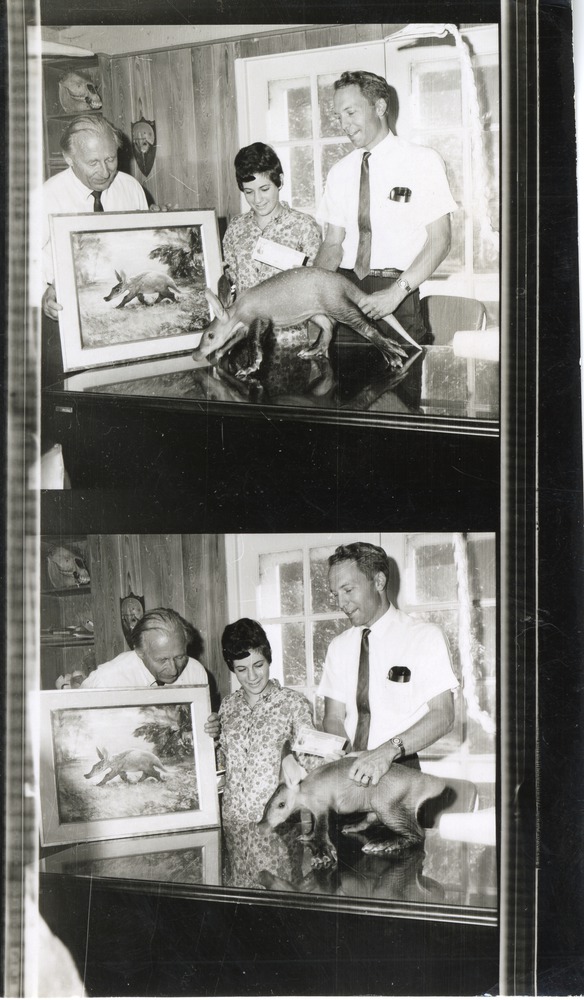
<point x="482" y="567"/>
<point x="322" y="635"/>
<point x="331" y="154"/>
<point x="281" y="590"/>
<point x="450" y="149"/>
<point x="329" y="125"/>
<point x="289" y="109"/>
<point x="486" y="249"/>
<point x="431" y="570"/>
<point x="301" y="172"/>
<point x="438" y="94"/>
<point x="320" y="595"/>
<point x="287" y="642"/>
<point x="487" y="81"/>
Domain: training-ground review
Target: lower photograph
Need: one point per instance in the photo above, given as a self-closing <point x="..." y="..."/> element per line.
<point x="259" y="755"/>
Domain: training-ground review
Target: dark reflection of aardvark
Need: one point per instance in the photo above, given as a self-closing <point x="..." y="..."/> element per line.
<point x="141" y="762"/>
<point x="395" y="802"/>
<point x="287" y="299"/>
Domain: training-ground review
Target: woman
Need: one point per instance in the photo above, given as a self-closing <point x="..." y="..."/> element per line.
<point x="259" y="724"/>
<point x="259" y="176"/>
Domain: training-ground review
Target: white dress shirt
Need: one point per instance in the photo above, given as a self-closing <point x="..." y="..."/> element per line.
<point x="398" y="228"/>
<point x="395" y="640"/>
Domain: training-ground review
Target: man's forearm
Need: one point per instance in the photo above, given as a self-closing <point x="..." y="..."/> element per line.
<point x="329" y="256"/>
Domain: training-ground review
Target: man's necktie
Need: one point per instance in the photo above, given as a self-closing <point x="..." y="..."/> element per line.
<point x="97" y="205"/>
<point x="363" y="260"/>
<point x="364" y="717"/>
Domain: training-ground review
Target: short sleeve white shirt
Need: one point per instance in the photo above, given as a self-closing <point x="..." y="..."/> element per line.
<point x="395" y="640"/>
<point x="398" y="228"/>
<point x="128" y="671"/>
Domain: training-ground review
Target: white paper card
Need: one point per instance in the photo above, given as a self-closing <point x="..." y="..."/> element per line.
<point x="269" y="252"/>
<point x="319" y="744"/>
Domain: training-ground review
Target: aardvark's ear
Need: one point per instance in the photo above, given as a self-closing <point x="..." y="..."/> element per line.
<point x="219" y="310"/>
<point x="291" y="772"/>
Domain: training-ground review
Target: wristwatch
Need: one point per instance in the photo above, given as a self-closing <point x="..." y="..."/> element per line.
<point x="403" y="283"/>
<point x="397" y="742"/>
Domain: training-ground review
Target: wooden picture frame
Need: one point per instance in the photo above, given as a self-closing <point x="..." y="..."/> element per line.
<point x="155" y="763"/>
<point x="131" y="284"/>
<point x="186" y="858"/>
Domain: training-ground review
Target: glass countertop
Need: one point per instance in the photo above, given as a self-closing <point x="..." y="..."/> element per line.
<point x="435" y="388"/>
<point x="444" y="879"/>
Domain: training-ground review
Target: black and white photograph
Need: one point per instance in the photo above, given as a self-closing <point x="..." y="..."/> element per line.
<point x="294" y="501"/>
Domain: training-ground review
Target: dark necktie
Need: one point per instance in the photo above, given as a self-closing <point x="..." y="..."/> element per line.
<point x="364" y="716"/>
<point x="97" y="205"/>
<point x="363" y="260"/>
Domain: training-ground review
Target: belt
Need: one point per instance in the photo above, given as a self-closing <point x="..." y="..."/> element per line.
<point x="384" y="272"/>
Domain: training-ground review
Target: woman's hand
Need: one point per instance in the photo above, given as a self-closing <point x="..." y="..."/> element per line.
<point x="213" y="726"/>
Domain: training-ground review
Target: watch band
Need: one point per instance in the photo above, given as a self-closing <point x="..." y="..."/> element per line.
<point x="404" y="283"/>
<point x="397" y="742"/>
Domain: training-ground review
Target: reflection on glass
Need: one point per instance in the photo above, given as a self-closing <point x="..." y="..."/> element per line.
<point x="251" y="849"/>
<point x="301" y="172"/>
<point x="281" y="589"/>
<point x="289" y="109"/>
<point x="323" y="633"/>
<point x="439" y="96"/>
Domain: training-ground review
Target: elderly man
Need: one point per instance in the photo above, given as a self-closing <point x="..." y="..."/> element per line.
<point x="91" y="183"/>
<point x="387" y="681"/>
<point x="159" y="656"/>
<point x="386" y="206"/>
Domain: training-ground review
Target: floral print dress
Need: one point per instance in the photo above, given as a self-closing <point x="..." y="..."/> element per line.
<point x="291" y="229"/>
<point x="253" y="740"/>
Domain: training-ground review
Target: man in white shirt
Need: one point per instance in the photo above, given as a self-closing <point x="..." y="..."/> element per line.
<point x="91" y="183"/>
<point x="407" y="213"/>
<point x="410" y="681"/>
<point x="159" y="656"/>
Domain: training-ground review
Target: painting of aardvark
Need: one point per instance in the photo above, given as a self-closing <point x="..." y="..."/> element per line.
<point x="124" y="761"/>
<point x="139" y="284"/>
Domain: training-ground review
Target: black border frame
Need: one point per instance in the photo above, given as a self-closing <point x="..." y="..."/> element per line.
<point x="541" y="498"/>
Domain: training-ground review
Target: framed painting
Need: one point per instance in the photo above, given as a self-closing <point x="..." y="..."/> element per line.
<point x="121" y="763"/>
<point x="132" y="284"/>
<point x="192" y="858"/>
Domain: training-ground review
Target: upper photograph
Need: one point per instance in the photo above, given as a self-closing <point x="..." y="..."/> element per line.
<point x="263" y="223"/>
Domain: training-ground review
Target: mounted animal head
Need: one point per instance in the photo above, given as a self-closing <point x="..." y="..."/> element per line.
<point x="65" y="569"/>
<point x="77" y="94"/>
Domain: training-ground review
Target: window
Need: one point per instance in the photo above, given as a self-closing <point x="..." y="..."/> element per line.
<point x="447" y="98"/>
<point x="286" y="101"/>
<point x="450" y="579"/>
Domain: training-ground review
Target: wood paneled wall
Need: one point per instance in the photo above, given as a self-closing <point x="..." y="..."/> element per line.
<point x="190" y="94"/>
<point x="183" y="572"/>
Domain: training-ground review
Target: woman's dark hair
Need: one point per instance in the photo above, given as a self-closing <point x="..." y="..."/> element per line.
<point x="370" y="559"/>
<point x="257" y="159"/>
<point x="240" y="638"/>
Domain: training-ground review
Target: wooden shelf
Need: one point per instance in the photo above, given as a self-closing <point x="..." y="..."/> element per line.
<point x="64" y="641"/>
<point x="85" y="588"/>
